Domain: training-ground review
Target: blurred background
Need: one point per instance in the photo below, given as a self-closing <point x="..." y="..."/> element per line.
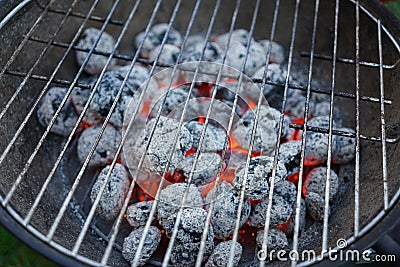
<point x="14" y="253"/>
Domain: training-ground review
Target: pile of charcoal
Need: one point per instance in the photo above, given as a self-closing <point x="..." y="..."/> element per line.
<point x="170" y="122"/>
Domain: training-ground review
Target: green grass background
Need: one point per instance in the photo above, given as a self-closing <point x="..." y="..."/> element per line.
<point x="14" y="253"/>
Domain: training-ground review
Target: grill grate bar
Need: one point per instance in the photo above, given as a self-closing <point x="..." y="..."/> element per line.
<point x="303" y="137"/>
<point x="330" y="136"/>
<point x="30" y="160"/>
<point x="55" y="166"/>
<point x="225" y="75"/>
<point x="45" y="78"/>
<point x="264" y="246"/>
<point x="344" y="133"/>
<point x="350" y="61"/>
<point x="357" y="112"/>
<point x="97" y="200"/>
<point x="92" y="17"/>
<point x="383" y="128"/>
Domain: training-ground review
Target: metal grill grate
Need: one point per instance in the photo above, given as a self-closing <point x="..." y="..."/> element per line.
<point x="54" y="77"/>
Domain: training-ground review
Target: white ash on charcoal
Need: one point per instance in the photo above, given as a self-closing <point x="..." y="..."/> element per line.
<point x="175" y="99"/>
<point x="154" y="38"/>
<point x="247" y="91"/>
<point x="49" y="104"/>
<point x="214" y="136"/>
<point x="315" y="206"/>
<point x="161" y="144"/>
<point x="289" y="155"/>
<point x="267" y="130"/>
<point x="138" y="213"/>
<point x="226" y="204"/>
<point x="276" y="240"/>
<point x="106" y="93"/>
<point x="80" y="96"/>
<point x="288" y="227"/>
<point x="238" y="35"/>
<point x="168" y="56"/>
<point x="105" y="150"/>
<point x="131" y="244"/>
<point x="259" y="176"/>
<point x="221" y="253"/>
<point x="321" y="109"/>
<point x="273" y="93"/>
<point x="236" y="57"/>
<point x="345" y="149"/>
<point x="185" y="253"/>
<point x="114" y="194"/>
<point x="189" y="235"/>
<point x="317" y="142"/>
<point x="316" y="181"/>
<point x="295" y="105"/>
<point x="139" y="72"/>
<point x="194" y="39"/>
<point x="105" y="44"/>
<point x="206" y="168"/>
<point x="194" y="53"/>
<point x="171" y="198"/>
<point x="220" y="111"/>
<point x="282" y="206"/>
<point x="277" y="51"/>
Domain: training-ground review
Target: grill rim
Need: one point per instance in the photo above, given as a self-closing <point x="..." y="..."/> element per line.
<point x="10" y="221"/>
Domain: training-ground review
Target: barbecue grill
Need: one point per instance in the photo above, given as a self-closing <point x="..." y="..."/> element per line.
<point x="351" y="47"/>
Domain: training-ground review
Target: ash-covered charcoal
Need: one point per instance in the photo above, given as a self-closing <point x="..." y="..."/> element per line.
<point x="315" y="206"/>
<point x="126" y="105"/>
<point x="238" y="35"/>
<point x="174" y="102"/>
<point x="316" y="180"/>
<point x="138" y="214"/>
<point x="345" y="149"/>
<point x="321" y="109"/>
<point x="188" y="238"/>
<point x="317" y="143"/>
<point x="295" y="104"/>
<point x="225" y="210"/>
<point x="273" y="93"/>
<point x="221" y="253"/>
<point x="276" y="240"/>
<point x="106" y="93"/>
<point x="289" y="155"/>
<point x="49" y="104"/>
<point x="214" y="137"/>
<point x="237" y="54"/>
<point x="105" y="150"/>
<point x="105" y="44"/>
<point x="288" y="227"/>
<point x="190" y="227"/>
<point x="131" y="244"/>
<point x="206" y="168"/>
<point x="161" y="145"/>
<point x="155" y="36"/>
<point x="138" y="72"/>
<point x="194" y="53"/>
<point x="277" y="51"/>
<point x="267" y="130"/>
<point x="168" y="56"/>
<point x="259" y="176"/>
<point x="282" y="206"/>
<point x="171" y="198"/>
<point x="194" y="39"/>
<point x="114" y="194"/>
<point x="185" y="253"/>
